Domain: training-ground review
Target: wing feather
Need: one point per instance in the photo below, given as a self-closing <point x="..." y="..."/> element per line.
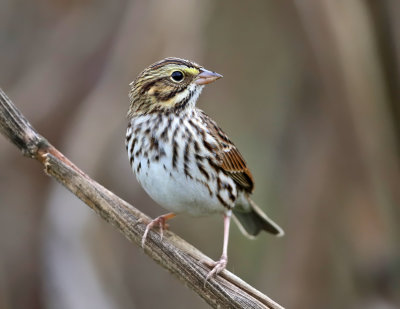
<point x="230" y="159"/>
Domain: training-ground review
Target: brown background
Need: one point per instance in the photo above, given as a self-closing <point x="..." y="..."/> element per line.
<point x="310" y="95"/>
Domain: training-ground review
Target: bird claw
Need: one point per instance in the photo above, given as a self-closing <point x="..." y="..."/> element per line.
<point x="217" y="267"/>
<point x="160" y="221"/>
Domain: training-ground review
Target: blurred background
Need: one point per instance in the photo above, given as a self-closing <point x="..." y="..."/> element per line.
<point x="310" y="95"/>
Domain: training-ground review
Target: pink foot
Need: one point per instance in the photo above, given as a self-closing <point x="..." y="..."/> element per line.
<point x="161" y="222"/>
<point x="217" y="267"/>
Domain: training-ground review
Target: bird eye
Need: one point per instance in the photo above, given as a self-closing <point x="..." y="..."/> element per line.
<point x="177" y="76"/>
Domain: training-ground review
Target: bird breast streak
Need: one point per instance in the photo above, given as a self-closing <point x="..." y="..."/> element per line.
<point x="175" y="168"/>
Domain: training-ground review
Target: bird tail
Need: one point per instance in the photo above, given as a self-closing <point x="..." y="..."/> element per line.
<point x="251" y="220"/>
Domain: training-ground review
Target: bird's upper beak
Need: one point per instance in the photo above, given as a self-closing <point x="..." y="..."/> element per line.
<point x="205" y="77"/>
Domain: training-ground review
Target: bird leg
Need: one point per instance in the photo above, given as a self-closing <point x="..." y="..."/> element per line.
<point x="161" y="222"/>
<point x="221" y="264"/>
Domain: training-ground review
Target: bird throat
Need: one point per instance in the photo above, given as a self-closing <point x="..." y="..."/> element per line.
<point x="173" y="102"/>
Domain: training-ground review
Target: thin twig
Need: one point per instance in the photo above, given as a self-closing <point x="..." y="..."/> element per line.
<point x="173" y="253"/>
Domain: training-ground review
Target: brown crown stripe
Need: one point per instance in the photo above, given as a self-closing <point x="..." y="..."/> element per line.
<point x="177" y="61"/>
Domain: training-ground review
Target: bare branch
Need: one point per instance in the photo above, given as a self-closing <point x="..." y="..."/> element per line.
<point x="173" y="253"/>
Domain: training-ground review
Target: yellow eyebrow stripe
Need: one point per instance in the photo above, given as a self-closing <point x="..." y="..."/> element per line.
<point x="192" y="71"/>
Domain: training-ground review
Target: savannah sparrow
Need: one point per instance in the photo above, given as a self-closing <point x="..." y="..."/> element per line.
<point x="181" y="157"/>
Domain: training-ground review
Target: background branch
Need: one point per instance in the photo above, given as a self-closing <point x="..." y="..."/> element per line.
<point x="173" y="253"/>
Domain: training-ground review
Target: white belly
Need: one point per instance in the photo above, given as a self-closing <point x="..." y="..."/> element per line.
<point x="175" y="191"/>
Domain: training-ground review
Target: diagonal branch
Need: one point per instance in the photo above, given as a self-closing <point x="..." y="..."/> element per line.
<point x="173" y="253"/>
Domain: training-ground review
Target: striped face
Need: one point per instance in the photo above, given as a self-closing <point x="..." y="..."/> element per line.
<point x="171" y="84"/>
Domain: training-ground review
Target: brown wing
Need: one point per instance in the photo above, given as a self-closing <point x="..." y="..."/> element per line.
<point x="234" y="164"/>
<point x="230" y="159"/>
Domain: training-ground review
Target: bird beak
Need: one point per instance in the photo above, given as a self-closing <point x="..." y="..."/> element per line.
<point x="205" y="77"/>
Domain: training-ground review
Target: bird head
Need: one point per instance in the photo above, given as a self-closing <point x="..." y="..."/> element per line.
<point x="171" y="84"/>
